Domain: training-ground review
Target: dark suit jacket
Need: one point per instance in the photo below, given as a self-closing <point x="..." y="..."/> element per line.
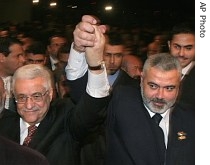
<point x="131" y="137"/>
<point x="187" y="89"/>
<point x="93" y="146"/>
<point x="56" y="134"/>
<point x="12" y="153"/>
<point x="48" y="62"/>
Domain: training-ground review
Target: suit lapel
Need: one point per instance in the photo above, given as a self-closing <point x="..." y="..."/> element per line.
<point x="175" y="145"/>
<point x="42" y="138"/>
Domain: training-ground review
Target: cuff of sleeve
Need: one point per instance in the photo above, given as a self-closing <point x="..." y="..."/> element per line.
<point x="98" y="85"/>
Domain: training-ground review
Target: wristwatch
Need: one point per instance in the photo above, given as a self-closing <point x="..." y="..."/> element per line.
<point x="95" y="67"/>
<point x="98" y="67"/>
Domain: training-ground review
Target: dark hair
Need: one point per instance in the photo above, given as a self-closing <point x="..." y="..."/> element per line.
<point x="36" y="47"/>
<point x="60" y="35"/>
<point x="115" y="38"/>
<point x="183" y="27"/>
<point x="5" y="44"/>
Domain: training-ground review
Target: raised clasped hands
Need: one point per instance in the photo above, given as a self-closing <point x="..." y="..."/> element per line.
<point x="84" y="33"/>
<point x="89" y="38"/>
<point x="94" y="54"/>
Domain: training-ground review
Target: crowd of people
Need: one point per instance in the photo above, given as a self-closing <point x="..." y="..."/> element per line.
<point x="92" y="97"/>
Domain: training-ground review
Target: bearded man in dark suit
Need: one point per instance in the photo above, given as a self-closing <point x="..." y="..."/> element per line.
<point x="132" y="135"/>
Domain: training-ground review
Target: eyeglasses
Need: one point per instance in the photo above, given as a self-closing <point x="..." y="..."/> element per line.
<point x="36" y="97"/>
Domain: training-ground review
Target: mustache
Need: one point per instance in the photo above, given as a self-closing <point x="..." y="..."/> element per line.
<point x="181" y="57"/>
<point x="157" y="100"/>
<point x="30" y="110"/>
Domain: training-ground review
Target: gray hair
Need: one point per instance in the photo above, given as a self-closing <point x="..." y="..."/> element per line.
<point x="163" y="61"/>
<point x="32" y="71"/>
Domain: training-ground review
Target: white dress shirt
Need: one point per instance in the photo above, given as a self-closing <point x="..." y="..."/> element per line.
<point x="53" y="63"/>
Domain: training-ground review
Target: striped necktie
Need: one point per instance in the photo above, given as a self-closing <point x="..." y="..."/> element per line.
<point x="31" y="131"/>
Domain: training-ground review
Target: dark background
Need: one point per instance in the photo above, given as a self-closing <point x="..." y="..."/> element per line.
<point x="125" y="12"/>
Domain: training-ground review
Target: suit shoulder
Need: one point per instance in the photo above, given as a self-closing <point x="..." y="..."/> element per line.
<point x="126" y="92"/>
<point x="125" y="79"/>
<point x="8" y="114"/>
<point x="61" y="107"/>
<point x="62" y="102"/>
<point x="184" y="111"/>
<point x="13" y="153"/>
<point x="185" y="107"/>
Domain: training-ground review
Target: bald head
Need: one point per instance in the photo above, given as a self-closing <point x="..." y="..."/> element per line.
<point x="132" y="65"/>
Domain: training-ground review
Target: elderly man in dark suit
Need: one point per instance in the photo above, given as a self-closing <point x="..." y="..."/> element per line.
<point x="58" y="124"/>
<point x="11" y="152"/>
<point x="134" y="136"/>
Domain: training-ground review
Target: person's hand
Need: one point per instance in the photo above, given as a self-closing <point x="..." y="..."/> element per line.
<point x="84" y="33"/>
<point x="94" y="54"/>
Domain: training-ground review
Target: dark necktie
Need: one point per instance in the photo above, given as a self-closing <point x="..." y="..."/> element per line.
<point x="157" y="118"/>
<point x="31" y="131"/>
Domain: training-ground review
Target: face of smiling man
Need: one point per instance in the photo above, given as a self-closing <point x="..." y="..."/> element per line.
<point x="32" y="110"/>
<point x="182" y="46"/>
<point x="32" y="88"/>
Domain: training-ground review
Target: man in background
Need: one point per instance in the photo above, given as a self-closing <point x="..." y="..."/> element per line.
<point x="132" y="65"/>
<point x="182" y="46"/>
<point x="12" y="56"/>
<point x="55" y="42"/>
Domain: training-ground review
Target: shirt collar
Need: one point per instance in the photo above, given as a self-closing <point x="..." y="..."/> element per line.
<point x="113" y="77"/>
<point x="25" y="125"/>
<point x="187" y="69"/>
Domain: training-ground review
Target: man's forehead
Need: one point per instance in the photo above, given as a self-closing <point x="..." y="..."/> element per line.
<point x="119" y="48"/>
<point x="184" y="36"/>
<point x="35" y="56"/>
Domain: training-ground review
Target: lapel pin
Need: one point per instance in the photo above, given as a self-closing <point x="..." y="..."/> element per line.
<point x="182" y="135"/>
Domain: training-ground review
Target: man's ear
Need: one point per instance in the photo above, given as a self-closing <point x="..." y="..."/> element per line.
<point x="142" y="74"/>
<point x="48" y="48"/>
<point x="2" y="57"/>
<point x="169" y="44"/>
<point x="45" y="60"/>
